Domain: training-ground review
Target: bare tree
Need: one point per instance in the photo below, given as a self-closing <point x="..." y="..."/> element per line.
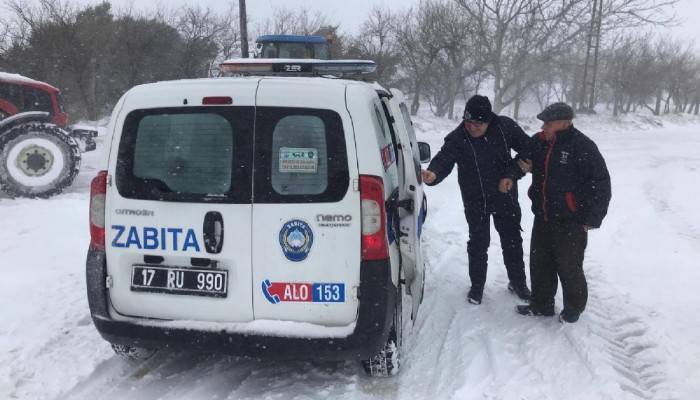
<point x="457" y="67"/>
<point x="514" y="35"/>
<point x="287" y="21"/>
<point x="419" y="46"/>
<point x="203" y="31"/>
<point x="376" y="41"/>
<point x="611" y="16"/>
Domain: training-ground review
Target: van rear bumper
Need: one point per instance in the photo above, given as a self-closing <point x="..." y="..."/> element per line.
<point x="377" y="295"/>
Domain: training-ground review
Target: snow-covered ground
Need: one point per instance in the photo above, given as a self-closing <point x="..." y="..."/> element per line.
<point x="639" y="338"/>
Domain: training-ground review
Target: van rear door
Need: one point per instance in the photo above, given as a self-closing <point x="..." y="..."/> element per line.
<point x="179" y="209"/>
<point x="410" y="188"/>
<point x="306" y="209"/>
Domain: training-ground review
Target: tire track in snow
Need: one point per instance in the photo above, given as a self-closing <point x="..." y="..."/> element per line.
<point x="461" y="355"/>
<point x="193" y="375"/>
<point x="630" y="346"/>
<point x="657" y="197"/>
<point x="442" y="262"/>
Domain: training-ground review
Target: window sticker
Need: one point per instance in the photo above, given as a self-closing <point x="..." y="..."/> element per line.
<point x="298" y="160"/>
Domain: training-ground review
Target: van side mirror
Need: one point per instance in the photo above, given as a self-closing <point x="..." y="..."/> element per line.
<point x="424" y="151"/>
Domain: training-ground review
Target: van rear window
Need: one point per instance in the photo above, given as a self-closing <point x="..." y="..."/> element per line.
<point x="301" y="156"/>
<point x="299" y="141"/>
<point x="187" y="154"/>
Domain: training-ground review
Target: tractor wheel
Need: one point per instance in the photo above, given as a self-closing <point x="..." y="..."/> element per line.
<point x="37" y="160"/>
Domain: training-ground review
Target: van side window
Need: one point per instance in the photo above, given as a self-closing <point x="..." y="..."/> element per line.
<point x="412" y="138"/>
<point x="389" y="145"/>
<point x="382" y="125"/>
<point x="300" y="156"/>
<point x="188" y="154"/>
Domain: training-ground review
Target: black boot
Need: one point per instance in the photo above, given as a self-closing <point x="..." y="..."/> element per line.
<point x="567" y="316"/>
<point x="476" y="293"/>
<point x="527" y="309"/>
<point x="520" y="290"/>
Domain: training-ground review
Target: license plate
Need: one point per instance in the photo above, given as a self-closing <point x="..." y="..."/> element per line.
<point x="173" y="280"/>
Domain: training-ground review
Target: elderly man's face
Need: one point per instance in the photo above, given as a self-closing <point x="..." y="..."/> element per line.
<point x="476" y="128"/>
<point x="552" y="127"/>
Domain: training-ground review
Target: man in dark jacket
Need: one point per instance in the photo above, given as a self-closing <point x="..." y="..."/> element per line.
<point x="481" y="148"/>
<point x="570" y="194"/>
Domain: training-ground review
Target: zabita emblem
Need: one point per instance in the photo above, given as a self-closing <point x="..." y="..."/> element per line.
<point x="296" y="239"/>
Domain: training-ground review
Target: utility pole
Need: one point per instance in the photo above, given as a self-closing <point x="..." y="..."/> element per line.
<point x="599" y="23"/>
<point x="244" y="28"/>
<point x="592" y="45"/>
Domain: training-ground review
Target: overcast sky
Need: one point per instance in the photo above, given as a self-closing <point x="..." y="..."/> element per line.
<point x="350" y="13"/>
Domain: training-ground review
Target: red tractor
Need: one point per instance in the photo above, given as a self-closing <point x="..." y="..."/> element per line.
<point x="39" y="154"/>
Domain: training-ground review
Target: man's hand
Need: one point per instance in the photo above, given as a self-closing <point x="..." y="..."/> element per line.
<point x="428" y="176"/>
<point x="505" y="185"/>
<point x="525" y="165"/>
<point x="587" y="228"/>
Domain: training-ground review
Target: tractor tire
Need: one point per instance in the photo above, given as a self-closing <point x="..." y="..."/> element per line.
<point x="37" y="160"/>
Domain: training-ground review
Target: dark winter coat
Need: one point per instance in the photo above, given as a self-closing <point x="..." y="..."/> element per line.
<point x="570" y="181"/>
<point x="482" y="163"/>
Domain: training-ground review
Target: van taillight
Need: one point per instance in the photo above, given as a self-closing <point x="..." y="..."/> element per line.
<point x="374" y="241"/>
<point x="98" y="191"/>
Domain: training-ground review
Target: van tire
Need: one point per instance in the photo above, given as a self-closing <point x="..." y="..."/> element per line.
<point x="386" y="363"/>
<point x="133" y="353"/>
<point x="58" y="156"/>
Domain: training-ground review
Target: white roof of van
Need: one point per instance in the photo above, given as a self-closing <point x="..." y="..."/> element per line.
<point x="329" y="82"/>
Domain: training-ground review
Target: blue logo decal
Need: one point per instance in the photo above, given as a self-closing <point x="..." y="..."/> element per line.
<point x="296" y="239"/>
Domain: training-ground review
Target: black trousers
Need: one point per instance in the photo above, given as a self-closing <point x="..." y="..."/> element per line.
<point x="557" y="250"/>
<point x="507" y="223"/>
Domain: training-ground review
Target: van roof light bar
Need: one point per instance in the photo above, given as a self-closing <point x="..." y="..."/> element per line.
<point x="297" y="67"/>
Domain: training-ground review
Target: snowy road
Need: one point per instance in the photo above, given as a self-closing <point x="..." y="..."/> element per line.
<point x="639" y="338"/>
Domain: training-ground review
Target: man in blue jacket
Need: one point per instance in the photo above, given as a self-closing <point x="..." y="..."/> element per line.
<point x="570" y="194"/>
<point x="481" y="148"/>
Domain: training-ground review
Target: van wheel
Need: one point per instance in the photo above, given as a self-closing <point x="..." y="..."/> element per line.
<point x="387" y="361"/>
<point x="133" y="353"/>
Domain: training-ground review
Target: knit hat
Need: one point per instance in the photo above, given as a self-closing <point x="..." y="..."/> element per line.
<point x="478" y="108"/>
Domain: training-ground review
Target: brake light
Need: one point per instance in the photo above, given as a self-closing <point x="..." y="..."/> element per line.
<point x="217" y="100"/>
<point x="98" y="192"/>
<point x="239" y="67"/>
<point x="374" y="240"/>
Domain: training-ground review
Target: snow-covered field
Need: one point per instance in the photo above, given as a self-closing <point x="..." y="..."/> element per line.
<point x="639" y="338"/>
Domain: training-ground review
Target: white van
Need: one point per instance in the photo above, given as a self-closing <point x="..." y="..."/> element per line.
<point x="258" y="215"/>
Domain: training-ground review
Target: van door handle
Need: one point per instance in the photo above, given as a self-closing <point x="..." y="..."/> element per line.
<point x="213" y="232"/>
<point x="406" y="204"/>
